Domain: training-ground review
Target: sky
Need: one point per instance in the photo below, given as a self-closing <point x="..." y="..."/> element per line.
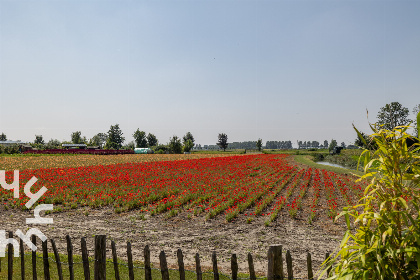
<point x="275" y="70"/>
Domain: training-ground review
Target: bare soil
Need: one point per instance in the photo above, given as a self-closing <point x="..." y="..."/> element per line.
<point x="193" y="234"/>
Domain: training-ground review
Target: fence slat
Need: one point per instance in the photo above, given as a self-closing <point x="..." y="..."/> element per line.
<point x="100" y="257"/>
<point x="327" y="255"/>
<point x="10" y="258"/>
<point x="45" y="260"/>
<point x="252" y="275"/>
<point x="215" y="269"/>
<point x="57" y="260"/>
<point x="234" y="267"/>
<point x="70" y="256"/>
<point x="85" y="259"/>
<point x="181" y="268"/>
<point x="130" y="262"/>
<point x="198" y="267"/>
<point x="34" y="273"/>
<point x="289" y="265"/>
<point x="115" y="260"/>
<point x="147" y="268"/>
<point x="275" y="262"/>
<point x="309" y="264"/>
<point x="163" y="266"/>
<point x="22" y="260"/>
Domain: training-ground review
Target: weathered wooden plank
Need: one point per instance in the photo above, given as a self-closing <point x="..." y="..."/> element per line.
<point x="327" y="256"/>
<point x="115" y="261"/>
<point x="85" y="259"/>
<point x="10" y="258"/>
<point x="215" y="269"/>
<point x="147" y="268"/>
<point x="163" y="266"/>
<point x="46" y="260"/>
<point x="289" y="265"/>
<point x="234" y="267"/>
<point x="100" y="257"/>
<point x="22" y="260"/>
<point x="70" y="256"/>
<point x="57" y="260"/>
<point x="34" y="271"/>
<point x="181" y="268"/>
<point x="130" y="262"/>
<point x="252" y="275"/>
<point x="198" y="267"/>
<point x="275" y="262"/>
<point x="309" y="265"/>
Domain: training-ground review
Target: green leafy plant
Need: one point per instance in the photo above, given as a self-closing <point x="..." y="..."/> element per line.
<point x="385" y="241"/>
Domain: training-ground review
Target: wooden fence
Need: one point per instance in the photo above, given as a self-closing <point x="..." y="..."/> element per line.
<point x="275" y="262"/>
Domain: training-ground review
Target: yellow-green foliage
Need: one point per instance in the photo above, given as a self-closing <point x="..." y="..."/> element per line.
<point x="385" y="240"/>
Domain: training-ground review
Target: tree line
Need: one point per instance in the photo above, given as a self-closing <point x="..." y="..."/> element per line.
<point x="389" y="116"/>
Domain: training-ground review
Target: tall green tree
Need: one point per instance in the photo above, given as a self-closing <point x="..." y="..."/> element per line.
<point x="188" y="136"/>
<point x="175" y="145"/>
<point x="76" y="137"/>
<point x="393" y="115"/>
<point x="53" y="144"/>
<point x="152" y="140"/>
<point x="223" y="141"/>
<point x="3" y="137"/>
<point x="259" y="144"/>
<point x="188" y="145"/>
<point x="332" y="145"/>
<point x="115" y="138"/>
<point x="39" y="140"/>
<point x="140" y="139"/>
<point x="99" y="139"/>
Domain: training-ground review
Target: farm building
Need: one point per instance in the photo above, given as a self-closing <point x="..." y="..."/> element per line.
<point x="22" y="145"/>
<point x="143" y="151"/>
<point x="74" y="146"/>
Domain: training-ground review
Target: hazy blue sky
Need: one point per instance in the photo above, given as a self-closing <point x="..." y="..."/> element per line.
<point x="276" y="70"/>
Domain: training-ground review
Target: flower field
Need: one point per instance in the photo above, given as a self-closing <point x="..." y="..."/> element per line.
<point x="51" y="161"/>
<point x="231" y="186"/>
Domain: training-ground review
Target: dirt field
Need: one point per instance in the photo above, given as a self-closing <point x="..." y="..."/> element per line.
<point x="191" y="235"/>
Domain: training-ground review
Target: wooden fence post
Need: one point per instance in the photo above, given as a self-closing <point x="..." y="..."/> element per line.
<point x="252" y="275"/>
<point x="10" y="258"/>
<point x="70" y="256"/>
<point x="85" y="259"/>
<point x="34" y="273"/>
<point x="22" y="260"/>
<point x="100" y="257"/>
<point x="181" y="268"/>
<point x="275" y="263"/>
<point x="147" y="268"/>
<point x="327" y="255"/>
<point x="163" y="266"/>
<point x="130" y="262"/>
<point x="115" y="260"/>
<point x="57" y="260"/>
<point x="198" y="267"/>
<point x="309" y="264"/>
<point x="215" y="269"/>
<point x="46" y="261"/>
<point x="234" y="267"/>
<point x="289" y="265"/>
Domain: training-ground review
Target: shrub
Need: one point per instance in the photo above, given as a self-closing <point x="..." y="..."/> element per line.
<point x="386" y="242"/>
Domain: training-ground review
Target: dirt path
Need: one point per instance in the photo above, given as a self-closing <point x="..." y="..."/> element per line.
<point x="191" y="235"/>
